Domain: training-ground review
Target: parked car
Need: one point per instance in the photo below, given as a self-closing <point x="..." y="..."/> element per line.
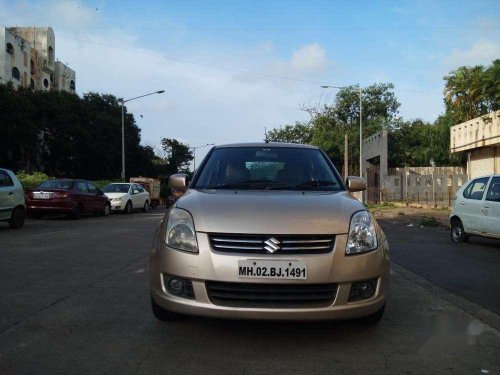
<point x="67" y="196"/>
<point x="126" y="197"/>
<point x="152" y="186"/>
<point x="476" y="209"/>
<point x="12" y="205"/>
<point x="269" y="231"/>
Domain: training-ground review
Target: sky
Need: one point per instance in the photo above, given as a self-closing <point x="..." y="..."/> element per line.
<point x="230" y="69"/>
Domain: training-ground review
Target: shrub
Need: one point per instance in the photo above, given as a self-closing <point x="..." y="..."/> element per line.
<point x="31" y="180"/>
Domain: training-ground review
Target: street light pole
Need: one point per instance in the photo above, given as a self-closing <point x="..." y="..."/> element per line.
<point x="123" y="127"/>
<point x="194" y="153"/>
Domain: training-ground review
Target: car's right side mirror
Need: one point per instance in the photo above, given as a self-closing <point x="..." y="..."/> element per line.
<point x="178" y="181"/>
<point x="355" y="183"/>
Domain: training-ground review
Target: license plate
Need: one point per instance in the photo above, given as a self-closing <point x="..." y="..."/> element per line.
<point x="41" y="195"/>
<point x="272" y="269"/>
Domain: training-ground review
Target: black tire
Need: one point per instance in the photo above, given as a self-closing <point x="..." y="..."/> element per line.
<point x="161" y="314"/>
<point x="376" y="317"/>
<point x="457" y="232"/>
<point x="128" y="208"/>
<point x="106" y="210"/>
<point x="77" y="212"/>
<point x="17" y="218"/>
<point x="145" y="208"/>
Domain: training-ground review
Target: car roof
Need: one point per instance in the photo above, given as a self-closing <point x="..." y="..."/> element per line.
<point x="264" y="144"/>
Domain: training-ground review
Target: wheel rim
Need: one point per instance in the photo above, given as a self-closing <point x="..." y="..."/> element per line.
<point x="106" y="210"/>
<point x="457" y="232"/>
<point x="146" y="206"/>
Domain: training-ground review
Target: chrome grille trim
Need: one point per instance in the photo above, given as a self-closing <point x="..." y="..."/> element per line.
<point x="282" y="244"/>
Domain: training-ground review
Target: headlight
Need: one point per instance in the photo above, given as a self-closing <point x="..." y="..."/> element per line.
<point x="117" y="199"/>
<point x="180" y="233"/>
<point x="362" y="234"/>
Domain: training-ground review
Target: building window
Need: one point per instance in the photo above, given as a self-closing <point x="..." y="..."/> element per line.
<point x="72" y="85"/>
<point x="51" y="56"/>
<point x="15" y="74"/>
<point x="32" y="84"/>
<point x="46" y="83"/>
<point x="10" y="49"/>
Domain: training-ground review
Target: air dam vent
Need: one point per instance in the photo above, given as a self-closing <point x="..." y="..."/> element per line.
<point x="272" y="244"/>
<point x="271" y="295"/>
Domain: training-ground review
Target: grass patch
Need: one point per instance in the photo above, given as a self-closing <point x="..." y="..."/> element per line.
<point x="429" y="222"/>
<point x="380" y="206"/>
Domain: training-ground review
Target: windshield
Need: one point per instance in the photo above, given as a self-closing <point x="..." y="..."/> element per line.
<point x="56" y="184"/>
<point x="265" y="168"/>
<point x="116" y="188"/>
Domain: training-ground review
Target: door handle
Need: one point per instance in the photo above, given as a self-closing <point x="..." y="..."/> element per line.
<point x="486" y="206"/>
<point x="11" y="193"/>
<point x="461" y="203"/>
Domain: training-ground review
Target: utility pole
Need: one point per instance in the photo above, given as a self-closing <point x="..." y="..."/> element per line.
<point x="122" y="101"/>
<point x="361" y="137"/>
<point x="346" y="156"/>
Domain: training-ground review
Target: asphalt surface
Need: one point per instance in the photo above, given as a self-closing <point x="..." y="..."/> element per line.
<point x="470" y="270"/>
<point x="74" y="299"/>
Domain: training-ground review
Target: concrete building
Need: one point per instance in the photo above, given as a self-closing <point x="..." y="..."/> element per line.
<point x="413" y="184"/>
<point x="27" y="59"/>
<point x="480" y="139"/>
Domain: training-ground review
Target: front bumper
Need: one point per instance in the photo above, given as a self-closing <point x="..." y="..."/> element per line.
<point x="334" y="267"/>
<point x="118" y="205"/>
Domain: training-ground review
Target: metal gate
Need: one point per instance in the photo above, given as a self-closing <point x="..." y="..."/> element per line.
<point x="373" y="184"/>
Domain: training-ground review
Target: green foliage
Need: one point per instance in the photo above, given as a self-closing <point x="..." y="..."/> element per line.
<point x="31" y="180"/>
<point x="179" y="155"/>
<point x="64" y="135"/>
<point x="298" y="133"/>
<point x="101" y="183"/>
<point x="472" y="91"/>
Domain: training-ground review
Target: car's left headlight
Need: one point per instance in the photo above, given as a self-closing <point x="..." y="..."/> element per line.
<point x="362" y="234"/>
<point x="180" y="233"/>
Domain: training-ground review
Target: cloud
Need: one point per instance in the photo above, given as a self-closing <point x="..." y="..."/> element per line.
<point x="310" y="58"/>
<point x="482" y="52"/>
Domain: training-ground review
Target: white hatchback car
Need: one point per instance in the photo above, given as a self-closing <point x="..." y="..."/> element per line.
<point x="12" y="205"/>
<point x="476" y="209"/>
<point x="127" y="197"/>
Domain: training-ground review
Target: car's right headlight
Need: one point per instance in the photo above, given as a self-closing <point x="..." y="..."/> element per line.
<point x="362" y="234"/>
<point x="180" y="233"/>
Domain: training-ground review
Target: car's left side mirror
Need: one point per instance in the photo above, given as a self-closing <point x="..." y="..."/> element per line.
<point x="135" y="192"/>
<point x="355" y="183"/>
<point x="178" y="181"/>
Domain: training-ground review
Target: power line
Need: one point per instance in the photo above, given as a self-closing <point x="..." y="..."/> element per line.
<point x="224" y="68"/>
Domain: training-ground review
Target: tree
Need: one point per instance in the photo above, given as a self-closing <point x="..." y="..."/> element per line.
<point x="179" y="155"/>
<point x="298" y="133"/>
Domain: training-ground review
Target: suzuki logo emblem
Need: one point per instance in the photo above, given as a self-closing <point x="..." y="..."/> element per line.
<point x="272" y="245"/>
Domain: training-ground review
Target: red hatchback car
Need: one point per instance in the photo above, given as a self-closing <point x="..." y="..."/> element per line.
<point x="66" y="196"/>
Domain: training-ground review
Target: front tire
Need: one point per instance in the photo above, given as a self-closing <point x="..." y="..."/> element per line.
<point x="106" y="210"/>
<point x="161" y="314"/>
<point x="146" y="206"/>
<point x="457" y="232"/>
<point x="128" y="208"/>
<point x="17" y="218"/>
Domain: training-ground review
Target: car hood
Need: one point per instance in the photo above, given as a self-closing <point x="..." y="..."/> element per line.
<point x="270" y="212"/>
<point x="115" y="195"/>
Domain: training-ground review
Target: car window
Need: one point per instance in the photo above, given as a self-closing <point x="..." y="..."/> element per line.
<point x="476" y="188"/>
<point x="140" y="188"/>
<point x="56" y="184"/>
<point x="82" y="187"/>
<point x="493" y="194"/>
<point x="5" y="180"/>
<point x="116" y="188"/>
<point x="91" y="188"/>
<point x="262" y="168"/>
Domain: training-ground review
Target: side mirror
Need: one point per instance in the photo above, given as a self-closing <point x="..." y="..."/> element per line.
<point x="354" y="183"/>
<point x="135" y="192"/>
<point x="178" y="181"/>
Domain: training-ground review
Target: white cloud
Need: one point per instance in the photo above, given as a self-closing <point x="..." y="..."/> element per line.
<point x="310" y="58"/>
<point x="481" y="52"/>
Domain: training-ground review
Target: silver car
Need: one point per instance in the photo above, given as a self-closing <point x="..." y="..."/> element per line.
<point x="269" y="231"/>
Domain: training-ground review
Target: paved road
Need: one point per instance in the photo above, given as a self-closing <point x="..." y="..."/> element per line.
<point x="471" y="270"/>
<point x="74" y="300"/>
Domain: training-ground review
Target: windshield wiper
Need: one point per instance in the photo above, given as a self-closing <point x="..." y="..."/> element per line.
<point x="306" y="184"/>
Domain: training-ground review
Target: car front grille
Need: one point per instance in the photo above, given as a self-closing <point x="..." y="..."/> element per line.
<point x="272" y="244"/>
<point x="271" y="295"/>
